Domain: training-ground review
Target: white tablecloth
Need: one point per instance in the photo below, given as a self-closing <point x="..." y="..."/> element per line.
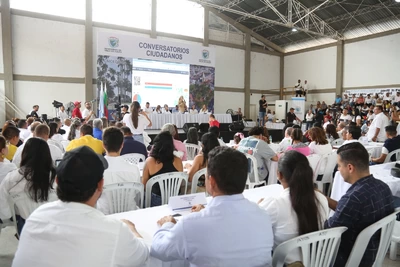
<point x="146" y="219"/>
<point x="372" y="147"/>
<point x="381" y="172"/>
<point x="281" y="125"/>
<point x="158" y="120"/>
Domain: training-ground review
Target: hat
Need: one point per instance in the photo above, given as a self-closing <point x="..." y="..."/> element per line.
<point x="76" y="103"/>
<point x="81" y="168"/>
<point x="358" y="118"/>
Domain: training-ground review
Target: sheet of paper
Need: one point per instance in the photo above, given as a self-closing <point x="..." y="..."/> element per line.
<point x="186" y="202"/>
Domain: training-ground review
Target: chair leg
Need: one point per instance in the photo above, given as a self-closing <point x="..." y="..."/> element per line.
<point x="393" y="251"/>
<point x="320" y="187"/>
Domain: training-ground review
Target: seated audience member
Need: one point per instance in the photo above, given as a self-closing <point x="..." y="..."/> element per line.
<point x="66" y="124"/>
<point x="230" y="240"/>
<point x="319" y="144"/>
<point x="192" y="137"/>
<point x="54" y="135"/>
<point x="345" y="117"/>
<point x="352" y="134"/>
<point x="367" y="201"/>
<point x="175" y="109"/>
<point x="5" y="166"/>
<point x="161" y="160"/>
<point x="98" y="129"/>
<point x="359" y="121"/>
<point x="74" y="130"/>
<point x="204" y="110"/>
<point x="158" y="110"/>
<point x="87" y="139"/>
<point x="340" y="128"/>
<point x="119" y="125"/>
<point x="300" y="209"/>
<point x="286" y="141"/>
<point x="166" y="110"/>
<point x="215" y="130"/>
<point x="118" y="170"/>
<point x="392" y="143"/>
<point x="105" y="122"/>
<point x="179" y="146"/>
<point x="208" y="142"/>
<point x="34" y="178"/>
<point x="297" y="143"/>
<point x="376" y="130"/>
<point x="11" y="133"/>
<point x="32" y="130"/>
<point x="131" y="145"/>
<point x="148" y="109"/>
<point x="237" y="138"/>
<point x="112" y="123"/>
<point x="212" y="121"/>
<point x="29" y="121"/>
<point x="176" y="135"/>
<point x="331" y="133"/>
<point x="23" y="129"/>
<point x="193" y="110"/>
<point x="74" y="218"/>
<point x="257" y="146"/>
<point x="90" y="122"/>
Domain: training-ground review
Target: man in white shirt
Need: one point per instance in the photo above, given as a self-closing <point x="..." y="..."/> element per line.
<point x="193" y="110"/>
<point x="78" y="234"/>
<point x="219" y="235"/>
<point x="345" y="117"/>
<point x="287" y="141"/>
<point x="340" y="128"/>
<point x="376" y="131"/>
<point x="62" y="114"/>
<point x="119" y="170"/>
<point x="88" y="113"/>
<point x="397" y="99"/>
<point x="353" y="134"/>
<point x="148" y="109"/>
<point x="41" y="131"/>
<point x="23" y="129"/>
<point x="388" y="97"/>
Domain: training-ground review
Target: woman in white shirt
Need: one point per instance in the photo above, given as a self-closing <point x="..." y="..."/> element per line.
<point x="166" y="109"/>
<point x="158" y="110"/>
<point x="5" y="165"/>
<point x="319" y="144"/>
<point x="35" y="178"/>
<point x="74" y="130"/>
<point x="204" y="110"/>
<point x="136" y="121"/>
<point x="54" y="135"/>
<point x="299" y="209"/>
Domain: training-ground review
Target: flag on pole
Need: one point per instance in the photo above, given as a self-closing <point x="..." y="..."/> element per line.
<point x="105" y="101"/>
<point x="101" y="101"/>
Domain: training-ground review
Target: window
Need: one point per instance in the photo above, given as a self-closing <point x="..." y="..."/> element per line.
<point x="130" y="13"/>
<point x="64" y="8"/>
<point x="180" y="17"/>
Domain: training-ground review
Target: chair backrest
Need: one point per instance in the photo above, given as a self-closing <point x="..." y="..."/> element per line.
<point x="389" y="156"/>
<point x="170" y="184"/>
<point x="325" y="167"/>
<point x="385" y="226"/>
<point x="65" y="143"/>
<point x="252" y="172"/>
<point x="192" y="150"/>
<point x="134" y="158"/>
<point x="195" y="179"/>
<point x="123" y="197"/>
<point x="318" y="249"/>
<point x="337" y="142"/>
<point x="314" y="159"/>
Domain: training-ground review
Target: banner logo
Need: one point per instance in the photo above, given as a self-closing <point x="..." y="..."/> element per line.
<point x="113" y="42"/>
<point x="205" y="54"/>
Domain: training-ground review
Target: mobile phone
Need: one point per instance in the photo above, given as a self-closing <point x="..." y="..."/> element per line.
<point x="176" y="215"/>
<point x="58" y="162"/>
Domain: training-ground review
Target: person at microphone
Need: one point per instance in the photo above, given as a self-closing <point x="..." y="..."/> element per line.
<point x="88" y="113"/>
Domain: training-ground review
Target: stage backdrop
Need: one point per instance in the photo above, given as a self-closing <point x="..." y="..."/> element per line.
<point x="155" y="71"/>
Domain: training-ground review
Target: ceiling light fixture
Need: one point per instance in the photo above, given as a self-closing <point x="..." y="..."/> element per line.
<point x="295" y="30"/>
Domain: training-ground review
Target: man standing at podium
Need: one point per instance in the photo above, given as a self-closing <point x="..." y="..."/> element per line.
<point x="262" y="110"/>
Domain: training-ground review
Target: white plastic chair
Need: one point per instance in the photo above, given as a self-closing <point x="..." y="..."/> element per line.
<point x="386" y="226"/>
<point x="314" y="159"/>
<point x="170" y="184"/>
<point x="253" y="173"/>
<point x="394" y="152"/>
<point x="192" y="150"/>
<point x="25" y="205"/>
<point x="123" y="197"/>
<point x="274" y="147"/>
<point x="325" y="168"/>
<point x="134" y="158"/>
<point x="337" y="142"/>
<point x="195" y="179"/>
<point x="395" y="239"/>
<point x="318" y="249"/>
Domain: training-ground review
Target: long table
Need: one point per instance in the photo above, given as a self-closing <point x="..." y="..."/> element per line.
<point x="146" y="219"/>
<point x="179" y="119"/>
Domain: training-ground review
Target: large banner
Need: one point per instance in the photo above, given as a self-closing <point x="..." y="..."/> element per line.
<point x="298" y="103"/>
<point x="155" y="71"/>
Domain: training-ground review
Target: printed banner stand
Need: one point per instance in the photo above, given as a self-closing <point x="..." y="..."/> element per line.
<point x="299" y="103"/>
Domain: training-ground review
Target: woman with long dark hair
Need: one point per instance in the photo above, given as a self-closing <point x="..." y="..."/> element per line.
<point x="34" y="178"/>
<point x="192" y="137"/>
<point x="208" y="142"/>
<point x="297" y="142"/>
<point x="137" y="120"/>
<point x="299" y="209"/>
<point x="54" y="135"/>
<point x="5" y="166"/>
<point x="319" y="144"/>
<point x="74" y="130"/>
<point x="331" y="133"/>
<point x="161" y="160"/>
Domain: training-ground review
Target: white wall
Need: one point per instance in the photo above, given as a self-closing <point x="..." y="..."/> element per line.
<point x="229" y="67"/>
<point x="227" y="100"/>
<point x="27" y="94"/>
<point x="264" y="71"/>
<point x="372" y="62"/>
<point x="318" y="67"/>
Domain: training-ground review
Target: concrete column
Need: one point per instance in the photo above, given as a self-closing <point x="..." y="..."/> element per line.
<point x="339" y="67"/>
<point x="89" y="94"/>
<point x="247" y="61"/>
<point x="153" y="33"/>
<point x="7" y="56"/>
<point x="281" y="77"/>
<point x="206" y="28"/>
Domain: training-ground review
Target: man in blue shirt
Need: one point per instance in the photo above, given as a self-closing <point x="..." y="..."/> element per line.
<point x="230" y="231"/>
<point x="131" y="145"/>
<point x="391" y="144"/>
<point x="367" y="201"/>
<point x="98" y="129"/>
<point x="338" y="100"/>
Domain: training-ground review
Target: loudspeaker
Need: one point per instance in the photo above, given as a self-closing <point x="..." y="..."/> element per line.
<point x="224" y="127"/>
<point x="236" y="126"/>
<point x="203" y="127"/>
<point x="189" y="125"/>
